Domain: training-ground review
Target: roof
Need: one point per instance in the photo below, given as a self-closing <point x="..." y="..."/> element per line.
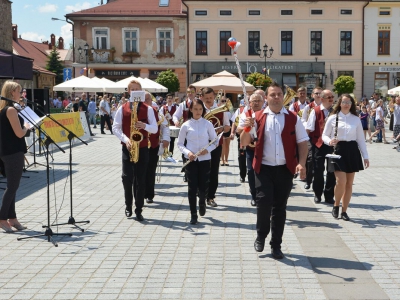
<point x="65" y="54"/>
<point x="129" y="8"/>
<point x="42" y="70"/>
<point x="33" y="50"/>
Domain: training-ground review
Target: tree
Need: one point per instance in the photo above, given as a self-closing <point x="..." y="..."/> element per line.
<point x="55" y="65"/>
<point x="344" y="84"/>
<point x="259" y="80"/>
<point x="169" y="80"/>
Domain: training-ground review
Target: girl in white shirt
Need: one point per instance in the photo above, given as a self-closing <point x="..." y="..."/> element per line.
<point x="348" y="141"/>
<point x="380" y="126"/>
<point x="197" y="132"/>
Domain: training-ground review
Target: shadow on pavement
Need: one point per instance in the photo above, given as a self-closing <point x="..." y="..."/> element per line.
<point x="308" y="224"/>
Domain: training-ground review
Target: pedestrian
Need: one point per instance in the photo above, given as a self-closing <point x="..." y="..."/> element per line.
<point x="75" y="106"/>
<point x="83" y="108"/>
<point x="380" y="122"/>
<point x="280" y="132"/>
<point x="168" y="111"/>
<point x="227" y="136"/>
<point x="364" y="117"/>
<point x="92" y="112"/>
<point x="12" y="150"/>
<point x="104" y="112"/>
<point x="396" y="120"/>
<point x="343" y="130"/>
<point x="241" y="150"/>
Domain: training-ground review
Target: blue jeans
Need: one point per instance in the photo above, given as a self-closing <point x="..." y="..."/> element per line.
<point x="379" y="135"/>
<point x="92" y="119"/>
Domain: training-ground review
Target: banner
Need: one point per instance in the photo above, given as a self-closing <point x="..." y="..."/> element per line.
<point x="72" y="121"/>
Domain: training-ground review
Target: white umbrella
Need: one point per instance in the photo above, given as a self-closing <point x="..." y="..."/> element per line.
<point x="154" y="85"/>
<point x="147" y="84"/>
<point x="79" y="84"/>
<point x="394" y="91"/>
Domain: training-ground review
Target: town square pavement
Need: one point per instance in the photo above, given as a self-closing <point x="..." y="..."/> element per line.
<point x="167" y="258"/>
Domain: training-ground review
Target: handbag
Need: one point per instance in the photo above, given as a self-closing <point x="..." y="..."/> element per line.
<point x="334" y="155"/>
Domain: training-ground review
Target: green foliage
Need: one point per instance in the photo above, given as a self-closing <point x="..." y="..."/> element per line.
<point x="258" y="79"/>
<point x="169" y="80"/>
<point x="55" y="65"/>
<point x="344" y="84"/>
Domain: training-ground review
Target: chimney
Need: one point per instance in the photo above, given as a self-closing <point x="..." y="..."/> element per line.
<point x="50" y="47"/>
<point x="60" y="43"/>
<point x="53" y="39"/>
<point x="15" y="32"/>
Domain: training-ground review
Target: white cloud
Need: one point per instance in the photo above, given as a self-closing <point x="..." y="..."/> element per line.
<point x="47" y="8"/>
<point x="66" y="34"/>
<point x="78" y="7"/>
<point x="33" y="36"/>
<point x="27" y="6"/>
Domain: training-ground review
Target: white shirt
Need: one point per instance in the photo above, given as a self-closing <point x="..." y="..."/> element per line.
<point x="117" y="124"/>
<point x="197" y="133"/>
<point x="273" y="152"/>
<point x="164" y="129"/>
<point x="305" y="115"/>
<point x="311" y="120"/>
<point x="349" y="129"/>
<point x="396" y="115"/>
<point x="301" y="106"/>
<point x="179" y="110"/>
<point x="379" y="113"/>
<point x="104" y="104"/>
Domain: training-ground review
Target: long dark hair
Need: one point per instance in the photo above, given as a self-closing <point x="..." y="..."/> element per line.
<point x="337" y="107"/>
<point x="196" y="101"/>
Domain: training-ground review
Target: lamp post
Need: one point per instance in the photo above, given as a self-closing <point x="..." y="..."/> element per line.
<point x="86" y="50"/>
<point x="265" y="55"/>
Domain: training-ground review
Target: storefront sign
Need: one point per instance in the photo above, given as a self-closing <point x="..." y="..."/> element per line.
<point x="117" y="73"/>
<point x="389" y="69"/>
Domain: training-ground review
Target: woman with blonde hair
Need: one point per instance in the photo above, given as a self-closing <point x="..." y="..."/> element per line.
<point x="12" y="150"/>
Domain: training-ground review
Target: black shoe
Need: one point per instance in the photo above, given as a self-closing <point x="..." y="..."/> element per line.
<point x="193" y="220"/>
<point x="202" y="210"/>
<point x="329" y="200"/>
<point x="211" y="202"/>
<point x="103" y="132"/>
<point x="242" y="180"/>
<point x="259" y="245"/>
<point x="111" y="132"/>
<point x="128" y="211"/>
<point x="149" y="201"/>
<point x="306" y="186"/>
<point x="345" y="217"/>
<point x="335" y="212"/>
<point x="277" y="253"/>
<point x="317" y="199"/>
<point x="139" y="217"/>
<point x="253" y="202"/>
<point x="184" y="179"/>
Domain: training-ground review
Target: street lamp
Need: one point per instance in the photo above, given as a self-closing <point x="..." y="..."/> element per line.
<point x="86" y="50"/>
<point x="265" y="50"/>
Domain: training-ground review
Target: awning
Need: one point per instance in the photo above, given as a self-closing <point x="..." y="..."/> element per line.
<point x="15" y="67"/>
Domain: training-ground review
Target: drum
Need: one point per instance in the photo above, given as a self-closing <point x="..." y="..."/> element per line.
<point x="174" y="131"/>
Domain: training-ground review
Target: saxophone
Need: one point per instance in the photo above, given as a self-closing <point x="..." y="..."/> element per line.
<point x="135" y="135"/>
<point x="290" y="94"/>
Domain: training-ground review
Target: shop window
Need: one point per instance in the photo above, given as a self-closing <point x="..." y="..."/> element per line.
<point x="383" y="42"/>
<point x="254" y="42"/>
<point x="345" y="42"/>
<point x="201" y="42"/>
<point x="286" y="43"/>
<point x="164" y="40"/>
<point x="381" y="82"/>
<point x="224" y="48"/>
<point x="316" y="42"/>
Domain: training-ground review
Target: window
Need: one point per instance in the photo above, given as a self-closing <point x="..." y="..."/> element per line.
<point x="316" y="11"/>
<point x="286" y="12"/>
<point x="381" y="82"/>
<point x="164" y="40"/>
<point x="101" y="38"/>
<point x="254" y="12"/>
<point x="384" y="11"/>
<point x="254" y="42"/>
<point x="225" y="12"/>
<point x="201" y="42"/>
<point x="163" y="3"/>
<point x="383" y="42"/>
<point x="346" y="11"/>
<point x="345" y="73"/>
<point x="130" y="39"/>
<point x="286" y="43"/>
<point x="200" y="13"/>
<point x="224" y="48"/>
<point x="316" y="42"/>
<point x="345" y="43"/>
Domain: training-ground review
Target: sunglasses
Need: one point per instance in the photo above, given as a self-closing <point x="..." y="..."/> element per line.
<point x="190" y="92"/>
<point x="223" y="101"/>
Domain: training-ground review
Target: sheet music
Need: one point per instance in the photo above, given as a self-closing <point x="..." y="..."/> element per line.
<point x="31" y="117"/>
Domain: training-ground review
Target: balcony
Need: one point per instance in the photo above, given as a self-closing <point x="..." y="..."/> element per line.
<point x="102" y="56"/>
<point x="128" y="57"/>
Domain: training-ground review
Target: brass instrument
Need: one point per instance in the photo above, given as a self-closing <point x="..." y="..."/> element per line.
<point x="300" y="113"/>
<point x="135" y="135"/>
<point x="289" y="95"/>
<point x="223" y="108"/>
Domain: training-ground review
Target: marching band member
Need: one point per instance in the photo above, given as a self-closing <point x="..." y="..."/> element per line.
<point x="223" y="117"/>
<point x="275" y="163"/>
<point x="163" y="131"/>
<point x="302" y="102"/>
<point x="194" y="135"/>
<point x="315" y="127"/>
<point x="256" y="104"/>
<point x="226" y="137"/>
<point x="134" y="174"/>
<point x="241" y="150"/>
<point x="168" y="111"/>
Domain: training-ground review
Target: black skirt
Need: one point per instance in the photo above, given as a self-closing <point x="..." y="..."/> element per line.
<point x="350" y="161"/>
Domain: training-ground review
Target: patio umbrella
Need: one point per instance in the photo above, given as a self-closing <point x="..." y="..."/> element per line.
<point x="79" y="84"/>
<point x="224" y="81"/>
<point x="147" y="84"/>
<point x="394" y="91"/>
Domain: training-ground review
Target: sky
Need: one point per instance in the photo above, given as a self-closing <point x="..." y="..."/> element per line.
<point x="33" y="18"/>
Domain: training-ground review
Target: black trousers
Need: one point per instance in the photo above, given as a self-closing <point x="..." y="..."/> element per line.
<point x="241" y="159"/>
<point x="273" y="185"/>
<point x="13" y="166"/>
<point x="171" y="144"/>
<point x="88" y="122"/>
<point x="215" y="159"/>
<point x="250" y="173"/>
<point x="151" y="172"/>
<point x="134" y="177"/>
<point x="310" y="163"/>
<point x="105" y="119"/>
<point x="319" y="167"/>
<point x="198" y="176"/>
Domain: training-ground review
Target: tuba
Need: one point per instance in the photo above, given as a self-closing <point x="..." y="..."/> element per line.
<point x="289" y="95"/>
<point x="211" y="114"/>
<point x="135" y="135"/>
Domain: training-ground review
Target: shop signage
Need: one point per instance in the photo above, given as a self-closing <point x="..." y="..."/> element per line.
<point x="257" y="67"/>
<point x="389" y="69"/>
<point x="117" y="73"/>
<point x="157" y="72"/>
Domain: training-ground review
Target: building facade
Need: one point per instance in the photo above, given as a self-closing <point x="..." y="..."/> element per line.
<point x="131" y="37"/>
<point x="313" y="42"/>
<point x="381" y="47"/>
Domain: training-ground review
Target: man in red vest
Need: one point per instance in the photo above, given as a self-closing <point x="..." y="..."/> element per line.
<point x="280" y="132"/>
<point x="134" y="174"/>
<point x="315" y="127"/>
<point x="168" y="111"/>
<point x="302" y="102"/>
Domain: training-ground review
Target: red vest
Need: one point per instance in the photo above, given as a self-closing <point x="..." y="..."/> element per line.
<point x="171" y="113"/>
<point x="126" y="121"/>
<point x="288" y="139"/>
<point x="296" y="106"/>
<point x="220" y="117"/>
<point x="186" y="111"/>
<point x="316" y="135"/>
<point x="155" y="137"/>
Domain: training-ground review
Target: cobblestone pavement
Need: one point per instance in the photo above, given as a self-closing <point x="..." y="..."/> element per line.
<point x="167" y="258"/>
